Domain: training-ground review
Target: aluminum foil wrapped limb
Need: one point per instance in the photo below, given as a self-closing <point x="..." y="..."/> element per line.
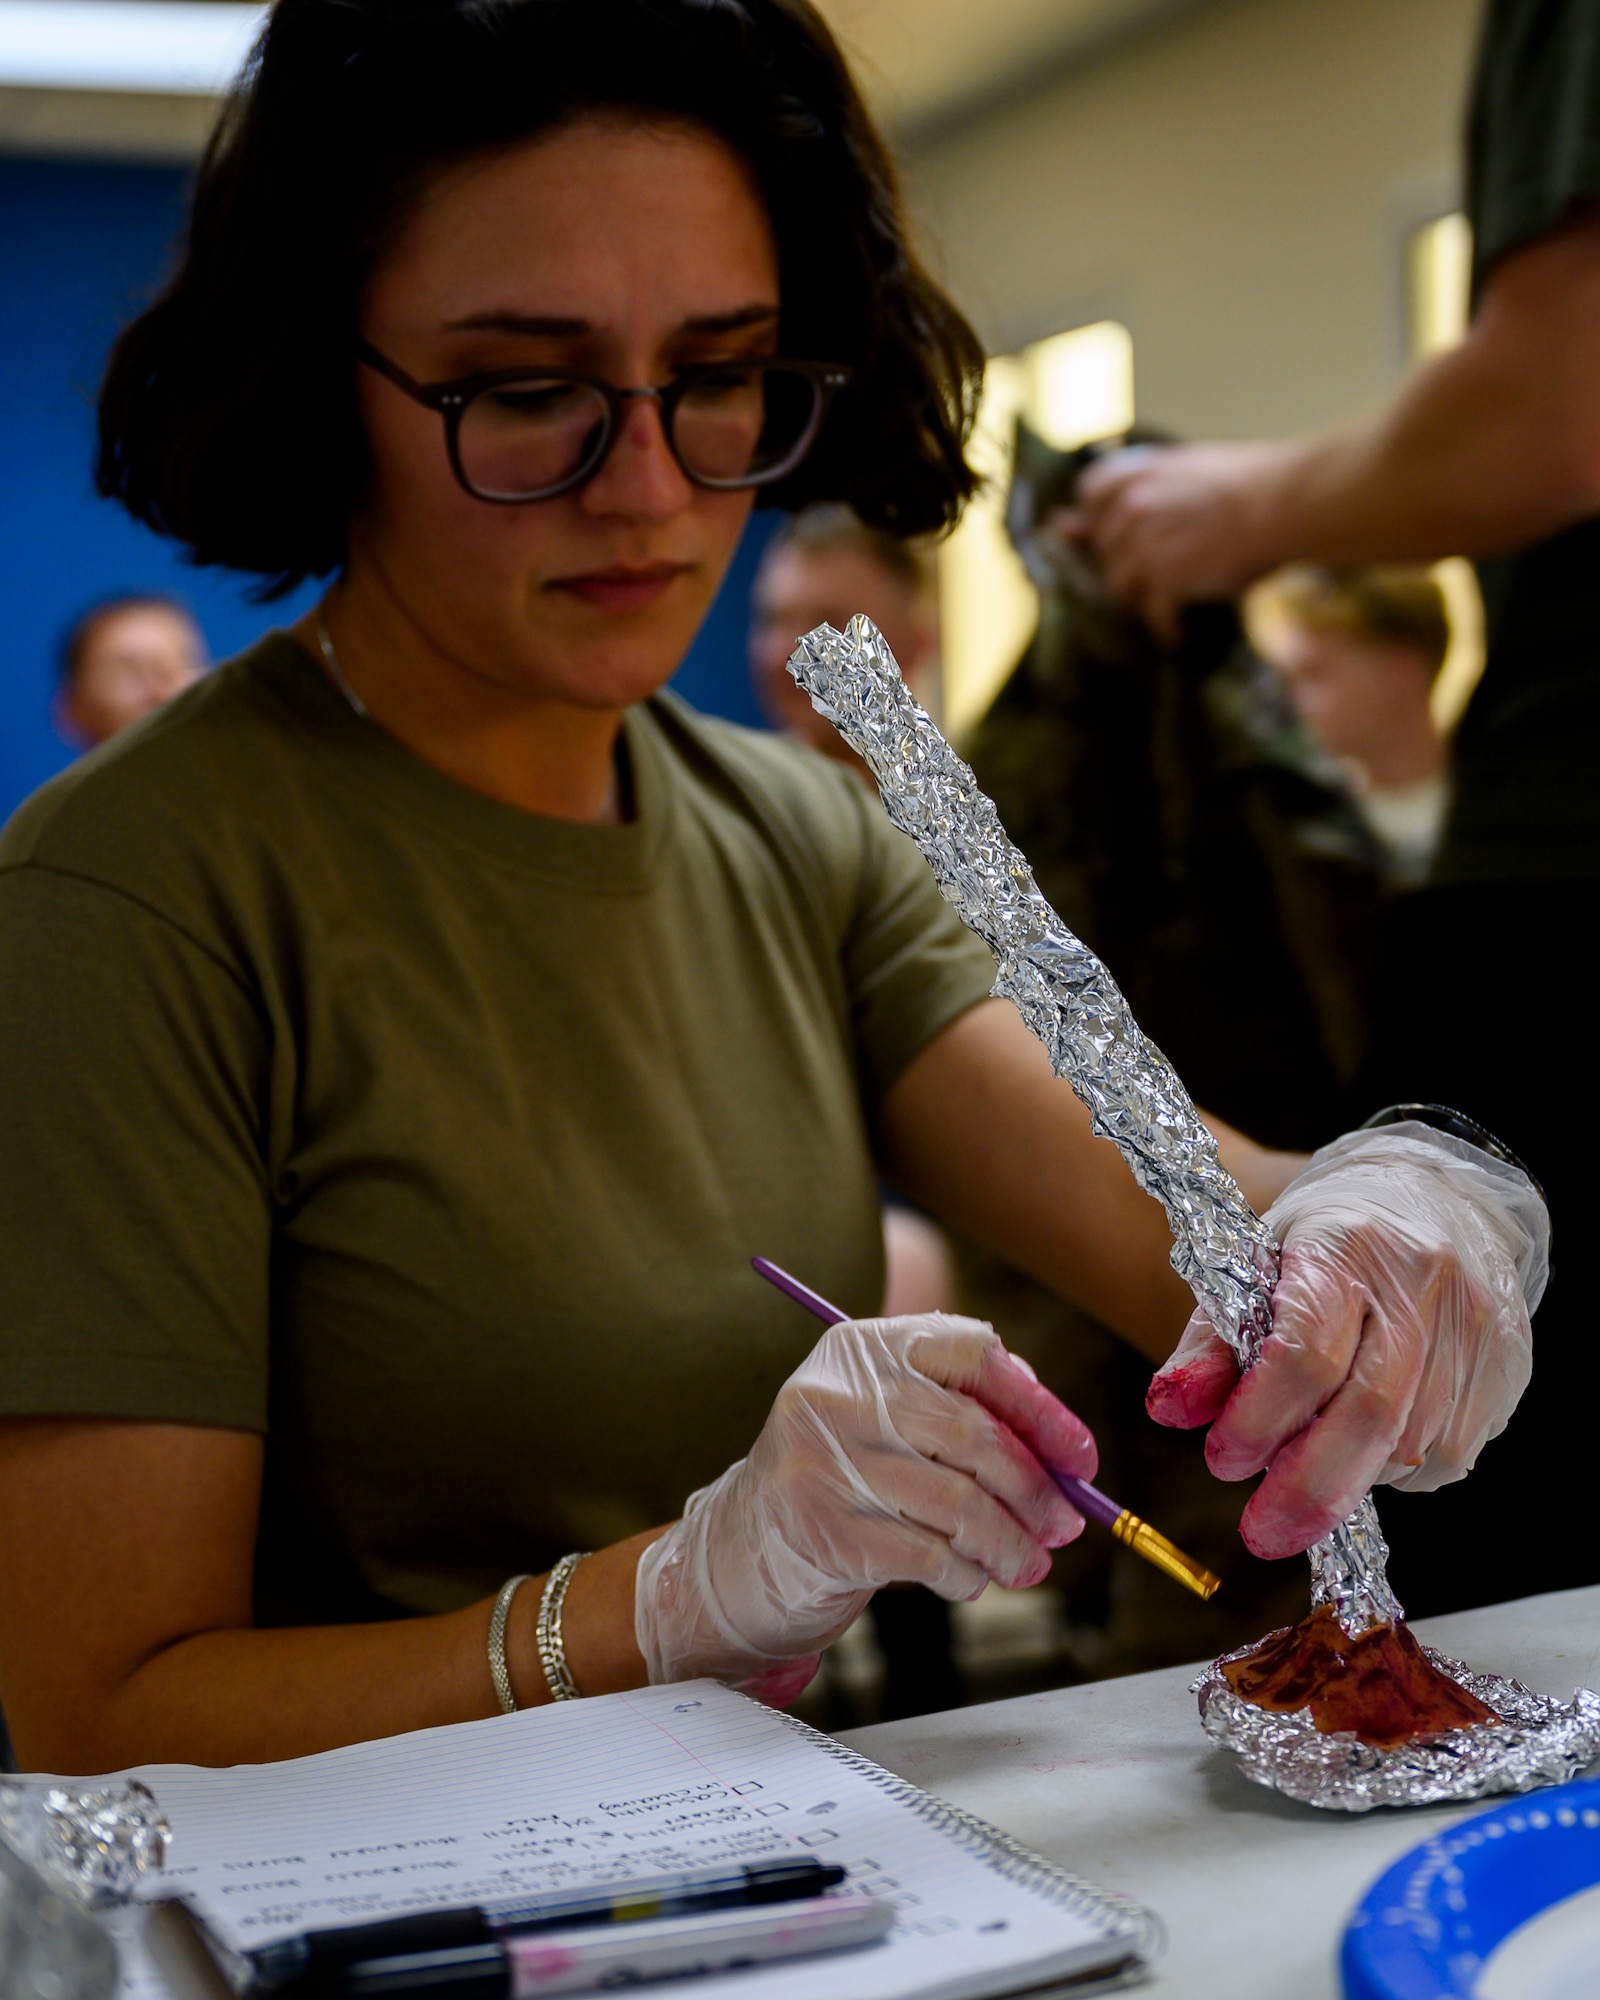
<point x="1220" y="1247"/>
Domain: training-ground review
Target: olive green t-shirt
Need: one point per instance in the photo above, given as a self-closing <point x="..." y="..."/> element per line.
<point x="1527" y="793"/>
<point x="433" y="1138"/>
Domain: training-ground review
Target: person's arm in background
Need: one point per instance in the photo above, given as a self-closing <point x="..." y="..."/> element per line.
<point x="1490" y="447"/>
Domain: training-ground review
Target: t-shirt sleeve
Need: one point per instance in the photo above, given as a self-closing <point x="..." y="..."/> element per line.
<point x="134" y="1205"/>
<point x="1533" y="140"/>
<point x="912" y="966"/>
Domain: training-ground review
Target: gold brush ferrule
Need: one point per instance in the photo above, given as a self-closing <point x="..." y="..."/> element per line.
<point x="1155" y="1548"/>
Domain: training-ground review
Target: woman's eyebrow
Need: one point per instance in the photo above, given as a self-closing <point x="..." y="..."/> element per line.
<point x="731" y="322"/>
<point x="512" y="322"/>
<point x="543" y="327"/>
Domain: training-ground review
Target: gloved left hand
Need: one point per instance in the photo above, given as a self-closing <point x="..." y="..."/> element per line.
<point x="1400" y="1341"/>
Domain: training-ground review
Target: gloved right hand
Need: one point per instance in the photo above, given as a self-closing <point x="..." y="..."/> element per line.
<point x="901" y="1450"/>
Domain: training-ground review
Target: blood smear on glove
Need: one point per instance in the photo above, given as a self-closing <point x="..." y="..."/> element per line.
<point x="1379" y="1684"/>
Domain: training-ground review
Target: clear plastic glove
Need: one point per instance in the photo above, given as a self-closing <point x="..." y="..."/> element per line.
<point x="1400" y="1333"/>
<point x="901" y="1451"/>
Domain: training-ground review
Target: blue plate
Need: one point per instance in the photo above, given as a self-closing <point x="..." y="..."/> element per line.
<point x="1424" y="1929"/>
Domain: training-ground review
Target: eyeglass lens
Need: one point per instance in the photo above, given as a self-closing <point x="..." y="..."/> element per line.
<point x="735" y="427"/>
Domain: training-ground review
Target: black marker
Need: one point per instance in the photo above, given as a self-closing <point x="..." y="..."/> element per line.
<point x="315" y="1953"/>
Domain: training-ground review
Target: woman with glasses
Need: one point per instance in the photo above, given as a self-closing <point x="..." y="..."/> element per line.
<point x="409" y="1036"/>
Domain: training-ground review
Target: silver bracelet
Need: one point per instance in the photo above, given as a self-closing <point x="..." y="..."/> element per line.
<point x="497" y="1643"/>
<point x="552" y="1654"/>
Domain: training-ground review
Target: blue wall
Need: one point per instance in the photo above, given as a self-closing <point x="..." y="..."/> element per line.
<point x="715" y="674"/>
<point x="81" y="243"/>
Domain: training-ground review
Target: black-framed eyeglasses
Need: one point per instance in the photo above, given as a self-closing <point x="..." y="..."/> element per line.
<point x="515" y="434"/>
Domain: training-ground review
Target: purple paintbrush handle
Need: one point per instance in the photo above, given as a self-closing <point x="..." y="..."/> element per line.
<point x="1088" y="1500"/>
<point x="802" y="1295"/>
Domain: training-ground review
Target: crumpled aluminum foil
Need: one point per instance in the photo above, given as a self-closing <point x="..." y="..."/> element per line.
<point x="1539" y="1741"/>
<point x="96" y="1845"/>
<point x="1220" y="1246"/>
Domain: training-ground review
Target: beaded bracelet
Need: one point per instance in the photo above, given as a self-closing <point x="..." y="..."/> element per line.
<point x="547" y="1634"/>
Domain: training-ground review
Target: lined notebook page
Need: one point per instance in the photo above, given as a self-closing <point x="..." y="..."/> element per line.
<point x="582" y="1793"/>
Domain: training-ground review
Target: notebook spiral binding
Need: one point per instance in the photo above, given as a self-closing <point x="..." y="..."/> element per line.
<point x="1129" y="1922"/>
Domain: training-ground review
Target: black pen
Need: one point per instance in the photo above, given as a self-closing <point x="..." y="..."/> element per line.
<point x="551" y="1963"/>
<point x="315" y="1952"/>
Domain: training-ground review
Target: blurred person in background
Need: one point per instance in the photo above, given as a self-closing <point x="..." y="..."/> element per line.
<point x="122" y="658"/>
<point x="822" y="567"/>
<point x="1491" y="450"/>
<point x="1359" y="655"/>
<point x="1159" y="788"/>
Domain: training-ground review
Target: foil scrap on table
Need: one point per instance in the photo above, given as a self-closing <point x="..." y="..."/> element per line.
<point x="1221" y="1248"/>
<point x="71" y="1863"/>
<point x="96" y="1845"/>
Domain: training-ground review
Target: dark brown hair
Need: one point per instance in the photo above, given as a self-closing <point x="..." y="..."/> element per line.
<point x="227" y="416"/>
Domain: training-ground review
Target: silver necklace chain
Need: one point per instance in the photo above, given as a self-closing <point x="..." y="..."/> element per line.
<point x="335" y="671"/>
<point x="337" y="675"/>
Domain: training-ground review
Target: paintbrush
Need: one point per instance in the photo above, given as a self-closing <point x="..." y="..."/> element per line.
<point x="1089" y="1500"/>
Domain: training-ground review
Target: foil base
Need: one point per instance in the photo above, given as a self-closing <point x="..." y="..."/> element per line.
<point x="1540" y="1741"/>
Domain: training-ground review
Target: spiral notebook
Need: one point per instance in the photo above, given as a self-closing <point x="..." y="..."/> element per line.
<point x="656" y="1781"/>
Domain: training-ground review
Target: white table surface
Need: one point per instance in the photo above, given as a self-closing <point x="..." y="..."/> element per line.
<point x="1115" y="1781"/>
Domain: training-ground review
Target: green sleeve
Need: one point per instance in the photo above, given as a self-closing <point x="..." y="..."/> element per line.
<point x="133" y="1201"/>
<point x="1533" y="139"/>
<point x="912" y="966"/>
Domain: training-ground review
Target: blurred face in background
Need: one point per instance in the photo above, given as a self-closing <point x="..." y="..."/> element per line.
<point x="799" y="588"/>
<point x="131" y="660"/>
<point x="1361" y="698"/>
